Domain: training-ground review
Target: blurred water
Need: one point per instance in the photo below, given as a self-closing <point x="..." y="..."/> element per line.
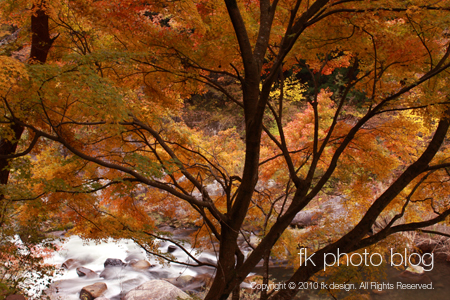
<point x="92" y="255"/>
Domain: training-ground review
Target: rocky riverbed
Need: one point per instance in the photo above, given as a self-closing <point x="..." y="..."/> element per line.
<point x="114" y="268"/>
<point x="120" y="270"/>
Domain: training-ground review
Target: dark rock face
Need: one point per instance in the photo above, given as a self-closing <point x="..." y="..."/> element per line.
<point x="113" y="262"/>
<point x="171" y="248"/>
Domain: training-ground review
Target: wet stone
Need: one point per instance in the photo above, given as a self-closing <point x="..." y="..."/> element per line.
<point x="70" y="264"/>
<point x="171" y="248"/>
<point x="93" y="291"/>
<point x="140" y="265"/>
<point x="156" y="289"/>
<point x="113" y="262"/>
<point x="85" y="272"/>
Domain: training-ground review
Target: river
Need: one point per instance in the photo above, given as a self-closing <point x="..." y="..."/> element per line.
<point x="93" y="255"/>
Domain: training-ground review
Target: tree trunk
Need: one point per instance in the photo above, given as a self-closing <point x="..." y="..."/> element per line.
<point x="40" y="46"/>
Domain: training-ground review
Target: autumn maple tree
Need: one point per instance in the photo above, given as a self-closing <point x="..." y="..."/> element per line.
<point x="20" y="260"/>
<point x="344" y="98"/>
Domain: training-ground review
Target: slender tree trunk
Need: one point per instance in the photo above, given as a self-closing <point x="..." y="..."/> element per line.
<point x="264" y="295"/>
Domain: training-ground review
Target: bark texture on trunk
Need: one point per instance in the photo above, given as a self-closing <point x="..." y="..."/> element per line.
<point x="40" y="47"/>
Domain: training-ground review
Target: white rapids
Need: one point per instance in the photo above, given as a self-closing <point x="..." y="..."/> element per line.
<point x="92" y="255"/>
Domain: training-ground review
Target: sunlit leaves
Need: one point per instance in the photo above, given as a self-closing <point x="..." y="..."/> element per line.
<point x="11" y="74"/>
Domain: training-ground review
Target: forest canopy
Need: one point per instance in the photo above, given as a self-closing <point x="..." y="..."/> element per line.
<point x="119" y="115"/>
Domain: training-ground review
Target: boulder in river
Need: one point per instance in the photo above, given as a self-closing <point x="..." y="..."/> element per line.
<point x="156" y="290"/>
<point x="332" y="209"/>
<point x="82" y="272"/>
<point x="140" y="265"/>
<point x="93" y="291"/>
<point x="70" y="264"/>
<point x="113" y="262"/>
<point x="306" y="218"/>
<point x="171" y="248"/>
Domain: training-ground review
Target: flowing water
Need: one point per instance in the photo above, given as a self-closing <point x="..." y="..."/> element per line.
<point x="93" y="255"/>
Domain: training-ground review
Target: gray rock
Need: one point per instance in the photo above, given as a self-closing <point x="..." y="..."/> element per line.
<point x="333" y="209"/>
<point x="113" y="262"/>
<point x="306" y="218"/>
<point x="171" y="248"/>
<point x="156" y="290"/>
